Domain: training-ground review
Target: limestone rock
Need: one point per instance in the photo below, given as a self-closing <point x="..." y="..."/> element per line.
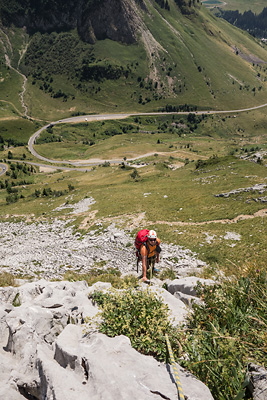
<point x="178" y="310"/>
<point x="187" y="285"/>
<point x="44" y="356"/>
<point x="258" y="381"/>
<point x="187" y="299"/>
<point x="130" y="375"/>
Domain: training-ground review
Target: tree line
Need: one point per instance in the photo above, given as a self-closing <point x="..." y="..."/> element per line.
<point x="255" y="24"/>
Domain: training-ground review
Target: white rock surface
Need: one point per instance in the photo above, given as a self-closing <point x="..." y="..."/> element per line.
<point x="49" y="250"/>
<point x="187" y="285"/>
<point x="44" y="356"/>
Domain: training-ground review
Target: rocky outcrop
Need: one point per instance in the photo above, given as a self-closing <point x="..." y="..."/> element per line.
<point x="184" y="289"/>
<point x="188" y="285"/>
<point x="110" y="19"/>
<point x="261" y="188"/>
<point x="94" y="19"/>
<point x="257" y="381"/>
<point x="45" y="353"/>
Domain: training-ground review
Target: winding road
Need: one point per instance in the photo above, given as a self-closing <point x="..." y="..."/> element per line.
<point x="93" y="162"/>
<point x="101" y="117"/>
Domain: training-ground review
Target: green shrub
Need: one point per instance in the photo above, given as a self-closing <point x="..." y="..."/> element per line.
<point x="227" y="332"/>
<point x="135" y="175"/>
<point x="205" y="163"/>
<point x="16" y="302"/>
<point x="141" y="316"/>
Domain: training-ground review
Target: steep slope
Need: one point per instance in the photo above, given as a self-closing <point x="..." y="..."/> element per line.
<point x="101" y="55"/>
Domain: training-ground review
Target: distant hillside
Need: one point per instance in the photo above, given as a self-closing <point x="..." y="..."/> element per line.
<point x="255" y="24"/>
<point x="105" y="55"/>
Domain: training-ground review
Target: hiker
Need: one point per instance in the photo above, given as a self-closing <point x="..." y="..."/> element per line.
<point x="149" y="253"/>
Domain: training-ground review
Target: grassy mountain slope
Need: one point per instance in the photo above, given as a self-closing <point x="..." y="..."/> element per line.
<point x="168" y="193"/>
<point x="178" y="58"/>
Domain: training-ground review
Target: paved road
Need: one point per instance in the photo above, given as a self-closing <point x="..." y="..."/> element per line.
<point x="3" y="169"/>
<point x="101" y="117"/>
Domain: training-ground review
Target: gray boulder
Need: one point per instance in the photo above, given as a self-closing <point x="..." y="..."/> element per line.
<point x="187" y="299"/>
<point x="97" y="360"/>
<point x="178" y="310"/>
<point x="258" y="381"/>
<point x="187" y="285"/>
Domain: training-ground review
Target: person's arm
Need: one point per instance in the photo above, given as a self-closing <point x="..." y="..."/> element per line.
<point x="144" y="258"/>
<point x="143" y="253"/>
<point x="158" y="250"/>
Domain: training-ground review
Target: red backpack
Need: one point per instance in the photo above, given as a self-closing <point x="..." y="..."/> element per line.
<point x="141" y="238"/>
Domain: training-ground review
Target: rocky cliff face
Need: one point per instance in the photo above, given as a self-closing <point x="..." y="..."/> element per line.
<point x="109" y="19"/>
<point x="94" y="19"/>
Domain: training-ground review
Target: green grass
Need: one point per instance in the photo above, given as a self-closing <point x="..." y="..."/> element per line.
<point x="99" y="274"/>
<point x="213" y="135"/>
<point x="19" y="130"/>
<point x="10" y="87"/>
<point x="183" y="200"/>
<point x="8" y="111"/>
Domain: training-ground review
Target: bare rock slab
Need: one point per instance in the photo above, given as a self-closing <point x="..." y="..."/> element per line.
<point x="111" y="368"/>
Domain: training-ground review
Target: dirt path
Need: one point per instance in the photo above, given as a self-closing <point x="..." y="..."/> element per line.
<point x="133" y="221"/>
<point x="21" y="95"/>
<point x="8" y="53"/>
<point x="261" y="213"/>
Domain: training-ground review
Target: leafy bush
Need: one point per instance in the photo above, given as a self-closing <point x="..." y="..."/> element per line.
<point x="227" y="332"/>
<point x="222" y="335"/>
<point x="205" y="163"/>
<point x="99" y="72"/>
<point x="141" y="316"/>
<point x="135" y="175"/>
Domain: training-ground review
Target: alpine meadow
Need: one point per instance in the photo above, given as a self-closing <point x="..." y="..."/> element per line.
<point x="141" y="114"/>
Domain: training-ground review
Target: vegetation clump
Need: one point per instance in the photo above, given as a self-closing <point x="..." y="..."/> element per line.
<point x="221" y="337"/>
<point x="141" y="316"/>
<point x="205" y="163"/>
<point x="226" y="332"/>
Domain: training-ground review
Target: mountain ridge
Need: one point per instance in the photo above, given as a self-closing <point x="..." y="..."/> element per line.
<point x="136" y="54"/>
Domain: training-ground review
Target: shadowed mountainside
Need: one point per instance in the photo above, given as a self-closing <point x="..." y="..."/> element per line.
<point x="132" y="54"/>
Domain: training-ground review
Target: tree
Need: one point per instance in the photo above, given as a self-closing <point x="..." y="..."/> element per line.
<point x="14" y="175"/>
<point x="135" y="175"/>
